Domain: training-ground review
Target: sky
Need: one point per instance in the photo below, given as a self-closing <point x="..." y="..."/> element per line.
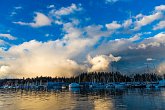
<point x="67" y="37"/>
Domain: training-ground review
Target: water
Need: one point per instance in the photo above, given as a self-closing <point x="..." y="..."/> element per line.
<point x="129" y="99"/>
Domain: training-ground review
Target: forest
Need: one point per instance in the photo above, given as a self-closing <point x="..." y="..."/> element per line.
<point x="100" y="77"/>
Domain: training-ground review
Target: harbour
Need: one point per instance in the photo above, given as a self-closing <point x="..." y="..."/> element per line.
<point x="104" y="80"/>
<point x="82" y="55"/>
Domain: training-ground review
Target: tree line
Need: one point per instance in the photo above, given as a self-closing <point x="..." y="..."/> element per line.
<point x="101" y="77"/>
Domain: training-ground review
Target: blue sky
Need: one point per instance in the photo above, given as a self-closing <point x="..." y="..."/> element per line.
<point x="80" y="35"/>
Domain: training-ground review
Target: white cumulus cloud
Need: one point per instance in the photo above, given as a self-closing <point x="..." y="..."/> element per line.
<point x="114" y="25"/>
<point x="101" y="62"/>
<point x="65" y="10"/>
<point x="145" y="20"/>
<point x="160" y="8"/>
<point x="39" y="20"/>
<point x="52" y="58"/>
<point x="161" y="68"/>
<point x="8" y="36"/>
<point x="127" y="23"/>
<point x="160" y="25"/>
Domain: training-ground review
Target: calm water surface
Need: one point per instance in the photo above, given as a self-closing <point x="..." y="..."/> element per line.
<point x="129" y="99"/>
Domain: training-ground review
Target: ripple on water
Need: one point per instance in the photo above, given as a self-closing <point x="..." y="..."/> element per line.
<point x="130" y="99"/>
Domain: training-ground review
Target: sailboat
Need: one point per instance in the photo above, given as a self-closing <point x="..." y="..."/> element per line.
<point x="152" y="84"/>
<point x="75" y="85"/>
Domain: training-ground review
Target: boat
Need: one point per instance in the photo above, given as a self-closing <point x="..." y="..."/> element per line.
<point x="5" y="87"/>
<point x="74" y="85"/>
<point x="97" y="85"/>
<point x="120" y="85"/>
<point x="64" y="87"/>
<point x="109" y="85"/>
<point x="161" y="83"/>
<point x="152" y="85"/>
<point x="138" y="85"/>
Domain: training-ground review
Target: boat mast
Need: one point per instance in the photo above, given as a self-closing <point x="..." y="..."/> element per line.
<point x="79" y="79"/>
<point x="113" y="73"/>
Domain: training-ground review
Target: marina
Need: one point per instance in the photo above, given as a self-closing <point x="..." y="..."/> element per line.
<point x="82" y="55"/>
<point x="86" y="85"/>
<point x="95" y="80"/>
